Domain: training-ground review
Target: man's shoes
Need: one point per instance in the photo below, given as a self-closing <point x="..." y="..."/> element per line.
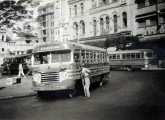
<point x="70" y="95"/>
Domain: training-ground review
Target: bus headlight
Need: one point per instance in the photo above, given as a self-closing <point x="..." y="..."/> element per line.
<point x="63" y="76"/>
<point x="37" y="77"/>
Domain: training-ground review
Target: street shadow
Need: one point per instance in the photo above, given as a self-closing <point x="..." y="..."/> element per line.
<point x="64" y="94"/>
<point x="53" y="95"/>
<point x="2" y="88"/>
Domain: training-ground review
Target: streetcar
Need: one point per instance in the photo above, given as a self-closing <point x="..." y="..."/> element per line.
<point x="13" y="62"/>
<point x="132" y="59"/>
<point x="55" y="66"/>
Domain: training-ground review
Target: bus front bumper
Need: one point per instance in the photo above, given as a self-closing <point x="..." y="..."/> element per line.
<point x="48" y="87"/>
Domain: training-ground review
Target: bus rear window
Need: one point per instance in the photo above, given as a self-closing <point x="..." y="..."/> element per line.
<point x="61" y="56"/>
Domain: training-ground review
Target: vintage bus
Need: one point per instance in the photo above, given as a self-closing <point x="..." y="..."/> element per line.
<point x="132" y="59"/>
<point x="13" y="62"/>
<point x="55" y="67"/>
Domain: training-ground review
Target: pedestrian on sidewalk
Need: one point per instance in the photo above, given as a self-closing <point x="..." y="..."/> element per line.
<point x="8" y="68"/>
<point x="21" y="70"/>
<point x="85" y="80"/>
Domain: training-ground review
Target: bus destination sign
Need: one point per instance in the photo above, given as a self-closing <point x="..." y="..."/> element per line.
<point x="44" y="48"/>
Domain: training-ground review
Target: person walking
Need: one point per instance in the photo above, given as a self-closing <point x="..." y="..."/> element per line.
<point x="85" y="80"/>
<point x="21" y="70"/>
<point x="8" y="68"/>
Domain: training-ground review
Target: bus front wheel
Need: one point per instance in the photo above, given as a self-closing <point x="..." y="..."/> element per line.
<point x="129" y="68"/>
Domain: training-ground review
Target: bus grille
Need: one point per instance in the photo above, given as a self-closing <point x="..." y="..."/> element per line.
<point x="50" y="77"/>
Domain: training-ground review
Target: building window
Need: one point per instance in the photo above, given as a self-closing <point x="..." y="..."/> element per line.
<point x="101" y="24"/>
<point x="94" y="3"/>
<point x="124" y="20"/>
<point x="52" y="24"/>
<point x="3" y="38"/>
<point x="82" y="8"/>
<point x="94" y="27"/>
<point x="107" y="23"/>
<point x="114" y="1"/>
<point x="82" y="27"/>
<point x="115" y="23"/>
<point x="75" y="28"/>
<point x="142" y="23"/>
<point x="75" y="10"/>
<point x="70" y="12"/>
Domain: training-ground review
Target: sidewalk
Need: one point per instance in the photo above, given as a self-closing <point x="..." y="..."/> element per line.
<point x="16" y="90"/>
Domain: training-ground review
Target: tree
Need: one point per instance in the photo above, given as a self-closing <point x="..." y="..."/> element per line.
<point x="19" y="17"/>
<point x="122" y="42"/>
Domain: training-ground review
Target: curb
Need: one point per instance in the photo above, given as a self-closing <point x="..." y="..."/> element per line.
<point x="18" y="96"/>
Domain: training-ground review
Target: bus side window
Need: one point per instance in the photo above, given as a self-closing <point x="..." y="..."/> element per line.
<point x="124" y="56"/>
<point x="94" y="57"/>
<point x="87" y="57"/>
<point x="128" y="55"/>
<point x="118" y="56"/>
<point x="137" y="55"/>
<point x="110" y="56"/>
<point x="82" y="56"/>
<point x="91" y="56"/>
<point x="142" y="55"/>
<point x="132" y="55"/>
<point x="114" y="56"/>
<point x="77" y="56"/>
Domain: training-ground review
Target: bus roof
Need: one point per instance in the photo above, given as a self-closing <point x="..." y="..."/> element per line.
<point x="61" y="46"/>
<point x="131" y="51"/>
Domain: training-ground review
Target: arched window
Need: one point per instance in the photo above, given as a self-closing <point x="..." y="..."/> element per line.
<point x="124" y="20"/>
<point x="75" y="27"/>
<point x="107" y="23"/>
<point x="115" y="23"/>
<point x="94" y="27"/>
<point x="82" y="27"/>
<point x="75" y="8"/>
<point x="101" y="24"/>
<point x="82" y="8"/>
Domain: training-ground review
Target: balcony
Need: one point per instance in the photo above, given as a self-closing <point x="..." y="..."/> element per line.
<point x="161" y="6"/>
<point x="147" y="9"/>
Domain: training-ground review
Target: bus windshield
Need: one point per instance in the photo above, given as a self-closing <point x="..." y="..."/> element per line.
<point x="56" y="56"/>
<point x="61" y="56"/>
<point x="41" y="58"/>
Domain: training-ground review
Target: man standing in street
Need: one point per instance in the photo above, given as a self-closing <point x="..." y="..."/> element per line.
<point x="85" y="80"/>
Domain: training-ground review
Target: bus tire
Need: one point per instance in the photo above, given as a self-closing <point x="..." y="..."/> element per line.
<point x="76" y="89"/>
<point x="129" y="68"/>
<point x="100" y="82"/>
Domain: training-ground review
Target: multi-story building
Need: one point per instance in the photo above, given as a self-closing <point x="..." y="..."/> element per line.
<point x="95" y="19"/>
<point x="53" y="21"/>
<point x="150" y="19"/>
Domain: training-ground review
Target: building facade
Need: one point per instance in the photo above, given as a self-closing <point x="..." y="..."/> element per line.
<point x="96" y="19"/>
<point x="150" y="20"/>
<point x="53" y="22"/>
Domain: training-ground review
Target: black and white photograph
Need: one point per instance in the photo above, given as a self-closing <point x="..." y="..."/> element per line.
<point x="82" y="59"/>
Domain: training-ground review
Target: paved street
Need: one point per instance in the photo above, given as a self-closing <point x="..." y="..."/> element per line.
<point x="126" y="95"/>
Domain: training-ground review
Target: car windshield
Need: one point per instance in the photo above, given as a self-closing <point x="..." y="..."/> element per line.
<point x="61" y="56"/>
